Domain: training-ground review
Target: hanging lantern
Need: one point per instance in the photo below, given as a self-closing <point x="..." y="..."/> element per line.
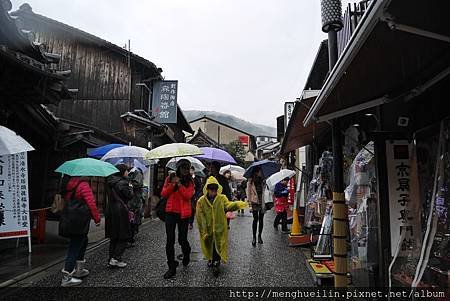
<point x="331" y="15"/>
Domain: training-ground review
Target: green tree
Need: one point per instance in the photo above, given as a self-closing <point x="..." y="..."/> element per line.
<point x="237" y="150"/>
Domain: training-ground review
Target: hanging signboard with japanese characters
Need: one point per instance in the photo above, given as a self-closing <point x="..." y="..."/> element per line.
<point x="164" y="101"/>
<point x="288" y="110"/>
<point x="404" y="204"/>
<point x="14" y="208"/>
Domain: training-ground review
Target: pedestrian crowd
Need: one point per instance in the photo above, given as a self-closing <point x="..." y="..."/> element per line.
<point x="185" y="198"/>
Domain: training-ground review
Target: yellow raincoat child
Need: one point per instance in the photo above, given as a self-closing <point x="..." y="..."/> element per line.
<point x="212" y="222"/>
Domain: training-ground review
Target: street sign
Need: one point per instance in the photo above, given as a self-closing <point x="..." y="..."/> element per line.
<point x="288" y="110"/>
<point x="164" y="101"/>
<point x="14" y="208"/>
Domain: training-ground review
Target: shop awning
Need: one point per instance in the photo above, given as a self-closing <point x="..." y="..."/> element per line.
<point x="298" y="135"/>
<point x="399" y="50"/>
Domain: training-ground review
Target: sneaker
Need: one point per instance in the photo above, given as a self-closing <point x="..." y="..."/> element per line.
<point x="170" y="273"/>
<point x="285" y="231"/>
<point x="69" y="280"/>
<point x="80" y="271"/>
<point x="117" y="263"/>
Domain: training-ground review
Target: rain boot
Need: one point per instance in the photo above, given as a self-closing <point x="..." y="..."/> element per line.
<point x="69" y="280"/>
<point x="80" y="271"/>
<point x="186" y="259"/>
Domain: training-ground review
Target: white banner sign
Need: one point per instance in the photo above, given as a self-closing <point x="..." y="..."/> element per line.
<point x="288" y="110"/>
<point x="403" y="196"/>
<point x="14" y="208"/>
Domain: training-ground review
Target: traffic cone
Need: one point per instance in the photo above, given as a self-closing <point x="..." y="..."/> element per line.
<point x="296" y="227"/>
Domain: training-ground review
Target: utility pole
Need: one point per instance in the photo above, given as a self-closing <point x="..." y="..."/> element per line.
<point x="331" y="24"/>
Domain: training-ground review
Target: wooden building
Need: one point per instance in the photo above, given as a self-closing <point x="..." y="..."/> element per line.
<point x="224" y="134"/>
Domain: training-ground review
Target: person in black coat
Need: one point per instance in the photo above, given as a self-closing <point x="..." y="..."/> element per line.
<point x="117" y="223"/>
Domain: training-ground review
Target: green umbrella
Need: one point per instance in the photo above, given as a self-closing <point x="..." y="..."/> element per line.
<point x="87" y="167"/>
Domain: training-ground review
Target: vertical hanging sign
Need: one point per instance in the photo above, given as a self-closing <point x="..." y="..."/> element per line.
<point x="288" y="110"/>
<point x="164" y="101"/>
<point x="14" y="208"/>
<point x="403" y="196"/>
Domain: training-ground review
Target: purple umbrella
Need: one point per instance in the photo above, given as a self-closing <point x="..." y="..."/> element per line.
<point x="215" y="154"/>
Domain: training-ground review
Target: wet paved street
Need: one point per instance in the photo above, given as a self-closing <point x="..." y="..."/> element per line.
<point x="271" y="264"/>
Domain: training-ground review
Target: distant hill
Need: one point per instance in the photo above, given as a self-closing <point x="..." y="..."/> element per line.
<point x="251" y="128"/>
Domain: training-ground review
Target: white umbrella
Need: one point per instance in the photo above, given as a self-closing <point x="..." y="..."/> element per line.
<point x="11" y="143"/>
<point x="198" y="165"/>
<point x="278" y="177"/>
<point x="173" y="150"/>
<point x="127" y="153"/>
<point x="237" y="172"/>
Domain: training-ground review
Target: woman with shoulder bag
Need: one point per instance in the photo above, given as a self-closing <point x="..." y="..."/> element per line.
<point x="77" y="192"/>
<point x="117" y="217"/>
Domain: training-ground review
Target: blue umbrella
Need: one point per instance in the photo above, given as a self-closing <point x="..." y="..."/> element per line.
<point x="102" y="150"/>
<point x="268" y="168"/>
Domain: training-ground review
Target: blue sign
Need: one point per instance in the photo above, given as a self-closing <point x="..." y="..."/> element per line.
<point x="164" y="101"/>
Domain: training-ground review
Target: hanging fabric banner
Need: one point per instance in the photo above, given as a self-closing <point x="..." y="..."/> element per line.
<point x="404" y="207"/>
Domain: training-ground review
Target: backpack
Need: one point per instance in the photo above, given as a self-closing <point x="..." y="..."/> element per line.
<point x="75" y="217"/>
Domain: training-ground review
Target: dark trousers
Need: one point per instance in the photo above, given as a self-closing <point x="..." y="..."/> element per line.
<point x="283" y="217"/>
<point x="117" y="248"/>
<point x="216" y="257"/>
<point x="258" y="218"/>
<point x="134" y="230"/>
<point x="77" y="248"/>
<point x="172" y="221"/>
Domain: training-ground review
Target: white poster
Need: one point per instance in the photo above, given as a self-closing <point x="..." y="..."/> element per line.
<point x="14" y="208"/>
<point x="404" y="207"/>
<point x="288" y="110"/>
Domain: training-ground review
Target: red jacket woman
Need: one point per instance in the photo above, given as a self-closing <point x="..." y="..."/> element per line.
<point x="83" y="192"/>
<point x="178" y="191"/>
<point x="178" y="197"/>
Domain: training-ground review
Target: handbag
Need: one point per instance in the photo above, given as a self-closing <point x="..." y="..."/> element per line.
<point x="160" y="209"/>
<point x="75" y="217"/>
<point x="230" y="215"/>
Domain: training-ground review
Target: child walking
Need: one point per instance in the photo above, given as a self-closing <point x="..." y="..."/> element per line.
<point x="212" y="223"/>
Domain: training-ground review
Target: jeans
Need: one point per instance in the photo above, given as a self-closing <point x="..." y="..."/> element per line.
<point x="283" y="217"/>
<point x="172" y="221"/>
<point x="77" y="248"/>
<point x="117" y="248"/>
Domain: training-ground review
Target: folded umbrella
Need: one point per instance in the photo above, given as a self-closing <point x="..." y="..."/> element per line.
<point x="87" y="167"/>
<point x="103" y="150"/>
<point x="216" y="154"/>
<point x="173" y="150"/>
<point x="278" y="177"/>
<point x="268" y="168"/>
<point x="198" y="165"/>
<point x="11" y="143"/>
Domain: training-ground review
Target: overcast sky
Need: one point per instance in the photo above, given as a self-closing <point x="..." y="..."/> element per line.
<point x="241" y="57"/>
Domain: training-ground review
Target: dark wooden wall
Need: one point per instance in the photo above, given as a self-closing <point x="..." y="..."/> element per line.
<point x="106" y="84"/>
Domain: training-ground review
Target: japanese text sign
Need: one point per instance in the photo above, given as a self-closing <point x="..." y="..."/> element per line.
<point x="164" y="101"/>
<point x="288" y="110"/>
<point x="14" y="208"/>
<point x="403" y="196"/>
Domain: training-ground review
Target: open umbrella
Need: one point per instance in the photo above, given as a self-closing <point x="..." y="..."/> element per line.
<point x="278" y="176"/>
<point x="173" y="150"/>
<point x="237" y="172"/>
<point x="172" y="164"/>
<point x="11" y="143"/>
<point x="127" y="153"/>
<point x="268" y="168"/>
<point x="87" y="167"/>
<point x="103" y="150"/>
<point x="216" y="154"/>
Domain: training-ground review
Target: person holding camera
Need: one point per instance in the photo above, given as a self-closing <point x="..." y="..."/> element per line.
<point x="178" y="190"/>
